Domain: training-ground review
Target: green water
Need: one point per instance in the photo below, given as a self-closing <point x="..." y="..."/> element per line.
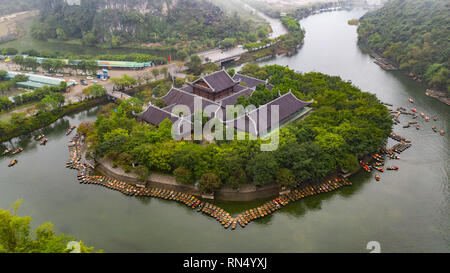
<point x="407" y="211"/>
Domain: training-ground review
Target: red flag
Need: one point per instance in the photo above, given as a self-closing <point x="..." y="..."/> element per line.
<point x="170" y="58"/>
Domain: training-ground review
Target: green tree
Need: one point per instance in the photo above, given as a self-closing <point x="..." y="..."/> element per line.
<point x="263" y="168"/>
<point x="183" y="175"/>
<point x="209" y="182"/>
<point x="195" y="64"/>
<point x="16" y="235"/>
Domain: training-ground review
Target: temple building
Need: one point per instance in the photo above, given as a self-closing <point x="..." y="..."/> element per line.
<point x="218" y="90"/>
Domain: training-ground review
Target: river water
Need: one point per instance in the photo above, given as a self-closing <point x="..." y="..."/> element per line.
<point x="278" y="28"/>
<point x="407" y="211"/>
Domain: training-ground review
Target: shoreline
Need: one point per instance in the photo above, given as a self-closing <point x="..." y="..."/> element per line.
<point x="246" y="193"/>
<point x="389" y="65"/>
<point x="86" y="176"/>
<point x="70" y="109"/>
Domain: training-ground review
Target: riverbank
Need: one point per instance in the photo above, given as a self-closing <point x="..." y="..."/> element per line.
<point x="389" y="65"/>
<point x="246" y="192"/>
<point x="33" y="123"/>
<point x="87" y="176"/>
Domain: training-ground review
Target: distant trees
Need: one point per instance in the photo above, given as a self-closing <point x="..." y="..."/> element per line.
<point x="90" y="66"/>
<point x="26" y="63"/>
<point x="228" y="42"/>
<point x="124" y="82"/>
<point x="195" y="64"/>
<point x="417" y="46"/>
<point x="53" y="66"/>
<point x="94" y="91"/>
<point x="189" y="21"/>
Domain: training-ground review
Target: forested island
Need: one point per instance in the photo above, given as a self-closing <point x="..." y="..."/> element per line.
<point x="346" y="125"/>
<point x="414" y="35"/>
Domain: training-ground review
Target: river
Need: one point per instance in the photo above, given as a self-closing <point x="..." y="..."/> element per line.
<point x="278" y="28"/>
<point x="407" y="211"/>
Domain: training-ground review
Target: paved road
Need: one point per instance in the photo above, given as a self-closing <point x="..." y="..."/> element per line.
<point x="219" y="54"/>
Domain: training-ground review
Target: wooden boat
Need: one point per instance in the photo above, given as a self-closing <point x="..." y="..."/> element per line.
<point x="17" y="151"/>
<point x="434" y="129"/>
<point x="392" y="168"/>
<point x="442" y="132"/>
<point x="411" y="100"/>
<point x="12" y="163"/>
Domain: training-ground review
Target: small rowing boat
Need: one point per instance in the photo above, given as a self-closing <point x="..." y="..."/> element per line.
<point x="12" y="163"/>
<point x="19" y="150"/>
<point x="377" y="177"/>
<point x="411" y="100"/>
<point x="44" y="141"/>
<point x="393" y="168"/>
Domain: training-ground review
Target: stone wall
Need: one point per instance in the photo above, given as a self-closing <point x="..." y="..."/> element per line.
<point x="247" y="192"/>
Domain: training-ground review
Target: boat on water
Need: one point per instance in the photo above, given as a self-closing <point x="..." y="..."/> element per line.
<point x="44" y="141"/>
<point x="12" y="163"/>
<point x="39" y="137"/>
<point x="414" y="110"/>
<point x="434" y="129"/>
<point x="377" y="177"/>
<point x="427" y="119"/>
<point x="422" y="115"/>
<point x="7" y="151"/>
<point x="393" y="168"/>
<point x="19" y="150"/>
<point x="417" y="127"/>
<point x="435" y="118"/>
<point x="442" y="132"/>
<point x="411" y="100"/>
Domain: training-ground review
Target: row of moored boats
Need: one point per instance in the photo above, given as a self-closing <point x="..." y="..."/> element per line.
<point x="86" y="176"/>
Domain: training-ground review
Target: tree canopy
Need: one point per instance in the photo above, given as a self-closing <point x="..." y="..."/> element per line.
<point x="346" y="125"/>
<point x="413" y="34"/>
<point x="16" y="236"/>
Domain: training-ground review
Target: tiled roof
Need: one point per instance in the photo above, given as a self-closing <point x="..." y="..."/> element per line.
<point x="176" y="97"/>
<point x="155" y="116"/>
<point x="231" y="100"/>
<point x="260" y="120"/>
<point x="218" y="81"/>
<point x="251" y="81"/>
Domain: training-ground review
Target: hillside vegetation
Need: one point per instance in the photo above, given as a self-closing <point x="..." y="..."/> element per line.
<point x="115" y="22"/>
<point x="13" y="6"/>
<point x="415" y="35"/>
